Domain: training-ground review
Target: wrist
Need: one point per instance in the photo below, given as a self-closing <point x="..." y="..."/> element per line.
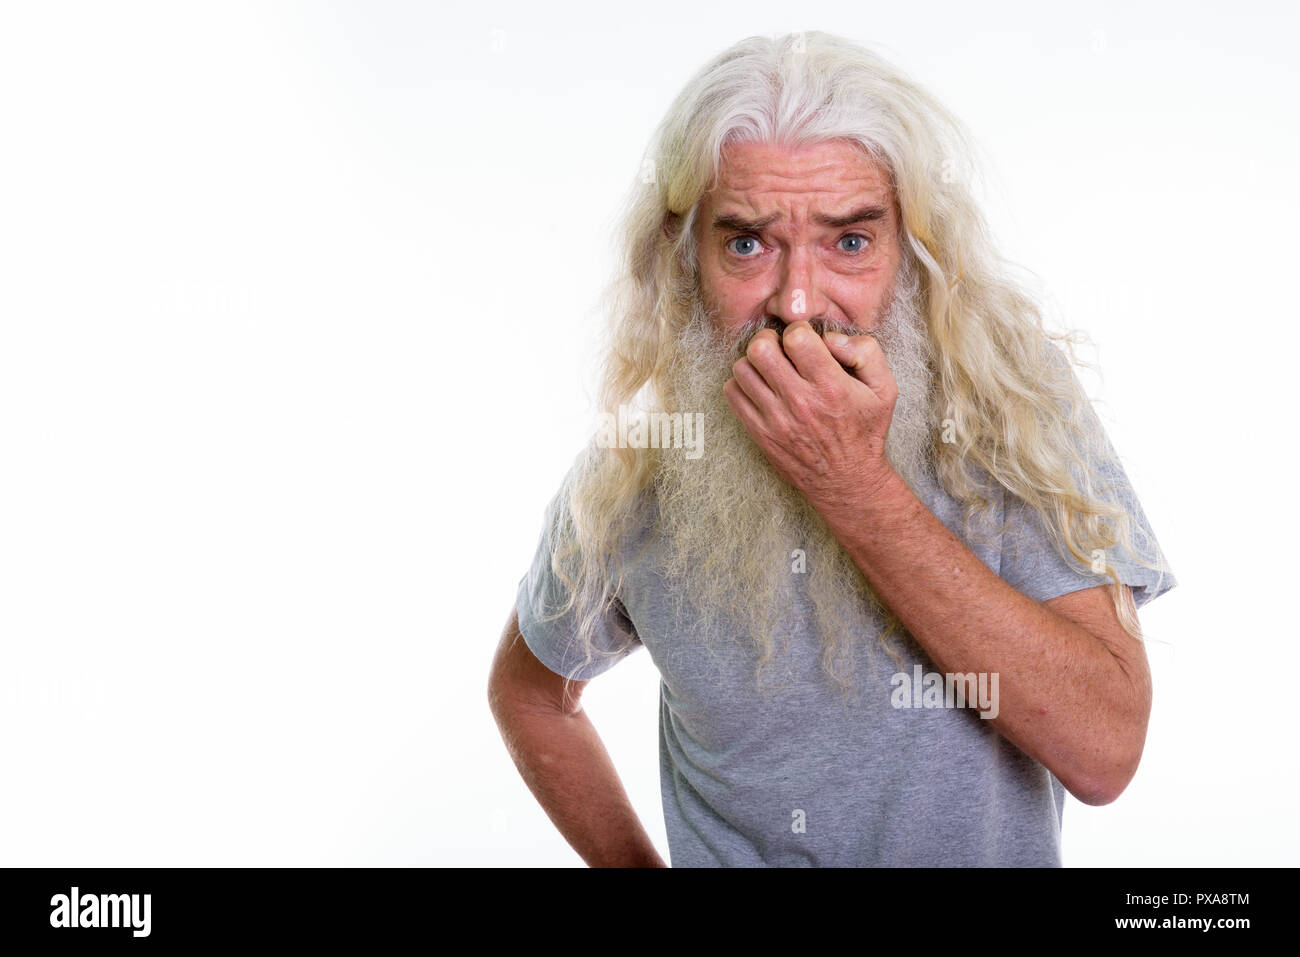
<point x="872" y="493"/>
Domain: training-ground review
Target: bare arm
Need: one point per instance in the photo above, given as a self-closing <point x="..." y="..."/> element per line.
<point x="561" y="758"/>
<point x="1075" y="687"/>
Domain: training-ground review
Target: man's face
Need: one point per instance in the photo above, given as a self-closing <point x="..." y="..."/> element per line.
<point x="795" y="234"/>
<point x="729" y="523"/>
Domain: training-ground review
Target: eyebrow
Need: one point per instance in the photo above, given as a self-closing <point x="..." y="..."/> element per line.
<point x="732" y="222"/>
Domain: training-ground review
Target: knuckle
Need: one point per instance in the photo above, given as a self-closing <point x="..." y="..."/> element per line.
<point x="801" y="405"/>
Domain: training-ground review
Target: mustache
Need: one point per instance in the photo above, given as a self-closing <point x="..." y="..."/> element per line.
<point x="820" y="325"/>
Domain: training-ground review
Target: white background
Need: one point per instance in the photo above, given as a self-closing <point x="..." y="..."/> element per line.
<point x="297" y="333"/>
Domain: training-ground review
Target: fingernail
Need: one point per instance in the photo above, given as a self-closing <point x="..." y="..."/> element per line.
<point x="836" y="338"/>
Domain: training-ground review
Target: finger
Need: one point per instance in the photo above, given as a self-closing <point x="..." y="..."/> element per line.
<point x="742" y="405"/>
<point x="769" y="360"/>
<point x="753" y="384"/>
<point x="809" y="354"/>
<point x="865" y="360"/>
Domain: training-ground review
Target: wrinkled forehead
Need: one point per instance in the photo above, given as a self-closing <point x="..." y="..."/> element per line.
<point x="762" y="175"/>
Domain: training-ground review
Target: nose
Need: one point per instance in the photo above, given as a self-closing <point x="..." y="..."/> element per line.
<point x="798" y="296"/>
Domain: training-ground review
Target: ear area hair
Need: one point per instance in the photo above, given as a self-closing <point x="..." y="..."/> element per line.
<point x="671" y="224"/>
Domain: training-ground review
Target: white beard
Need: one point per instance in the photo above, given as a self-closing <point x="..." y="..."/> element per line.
<point x="731" y="525"/>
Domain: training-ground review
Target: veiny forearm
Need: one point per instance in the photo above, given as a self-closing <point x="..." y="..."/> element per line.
<point x="565" y="765"/>
<point x="1064" y="698"/>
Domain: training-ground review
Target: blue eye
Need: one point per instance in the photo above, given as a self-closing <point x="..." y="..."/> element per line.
<point x="863" y="240"/>
<point x="747" y="252"/>
<point x="741" y="239"/>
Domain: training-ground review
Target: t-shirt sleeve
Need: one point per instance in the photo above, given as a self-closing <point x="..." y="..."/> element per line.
<point x="1032" y="563"/>
<point x="553" y="636"/>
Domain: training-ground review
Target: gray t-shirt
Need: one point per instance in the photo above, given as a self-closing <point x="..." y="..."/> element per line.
<point x="791" y="775"/>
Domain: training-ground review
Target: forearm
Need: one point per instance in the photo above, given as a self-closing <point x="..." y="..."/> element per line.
<point x="564" y="763"/>
<point x="1064" y="698"/>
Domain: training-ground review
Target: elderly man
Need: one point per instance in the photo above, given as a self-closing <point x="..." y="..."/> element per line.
<point x="892" y="593"/>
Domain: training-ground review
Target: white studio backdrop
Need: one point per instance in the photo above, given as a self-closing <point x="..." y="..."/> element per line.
<point x="296" y="341"/>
